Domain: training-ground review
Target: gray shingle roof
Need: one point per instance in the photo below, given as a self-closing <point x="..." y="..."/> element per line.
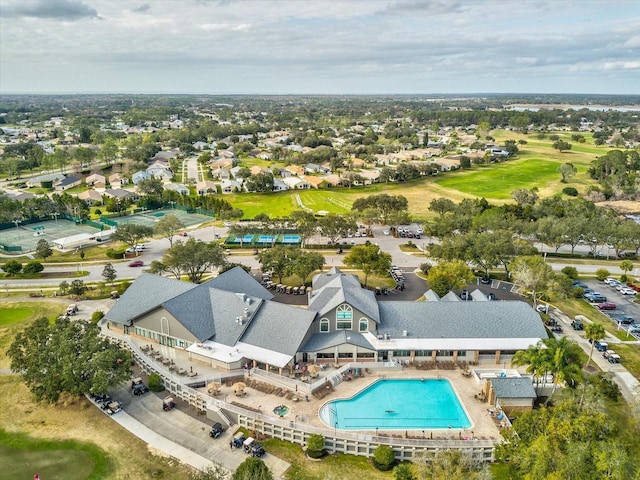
<point x="521" y="387"/>
<point x="147" y="292"/>
<point x="503" y="319"/>
<point x="278" y="327"/>
<point x="431" y="296"/>
<point x="212" y="314"/>
<point x="450" y="297"/>
<point x="343" y="288"/>
<point x="238" y="280"/>
<point x="320" y="341"/>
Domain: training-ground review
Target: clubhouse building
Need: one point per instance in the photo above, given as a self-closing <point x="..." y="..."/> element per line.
<point x="232" y="321"/>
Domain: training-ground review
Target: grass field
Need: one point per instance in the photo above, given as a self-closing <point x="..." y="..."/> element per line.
<point x="15" y="315"/>
<point x="24" y="457"/>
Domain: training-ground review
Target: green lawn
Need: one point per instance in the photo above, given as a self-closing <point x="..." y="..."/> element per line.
<point x="23" y="457"/>
<point x="13" y="315"/>
<point x="498" y="181"/>
<point x="344" y="467"/>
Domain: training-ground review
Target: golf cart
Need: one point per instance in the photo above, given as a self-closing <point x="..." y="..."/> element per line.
<point x="113" y="407"/>
<point x="216" y="430"/>
<point x="137" y="387"/>
<point x="114" y="295"/>
<point x="238" y="438"/>
<point x="168" y="404"/>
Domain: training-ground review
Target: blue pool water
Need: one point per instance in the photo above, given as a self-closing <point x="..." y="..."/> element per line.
<point x="398" y="405"/>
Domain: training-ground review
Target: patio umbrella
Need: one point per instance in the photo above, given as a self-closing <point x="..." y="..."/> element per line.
<point x="238" y="388"/>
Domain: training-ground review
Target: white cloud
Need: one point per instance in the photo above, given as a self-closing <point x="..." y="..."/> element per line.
<point x="318" y="46"/>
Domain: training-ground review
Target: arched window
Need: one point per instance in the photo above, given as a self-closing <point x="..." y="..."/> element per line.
<point x="324" y="325"/>
<point x="344" y="317"/>
<point x="364" y="325"/>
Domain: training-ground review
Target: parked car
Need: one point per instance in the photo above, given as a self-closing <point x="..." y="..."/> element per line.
<point x="136" y="263"/>
<point x="183" y="234"/>
<point x="607" y="306"/>
<point x="385" y="232"/>
<point x="595" y="297"/>
<point x="577" y="324"/>
<point x="601" y="346"/>
<point x="608" y="280"/>
<point x="72" y="309"/>
<point x="216" y="430"/>
<point x="627" y="291"/>
<point x="112" y="407"/>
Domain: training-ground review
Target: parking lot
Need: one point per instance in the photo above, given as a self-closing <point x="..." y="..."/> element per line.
<point x="626" y="314"/>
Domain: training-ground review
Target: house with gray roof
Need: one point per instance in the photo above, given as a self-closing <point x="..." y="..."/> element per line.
<point x="232" y="319"/>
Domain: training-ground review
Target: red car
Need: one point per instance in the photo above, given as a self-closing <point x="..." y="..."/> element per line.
<point x="607" y="306"/>
<point x="183" y="234"/>
<point x="136" y="263"/>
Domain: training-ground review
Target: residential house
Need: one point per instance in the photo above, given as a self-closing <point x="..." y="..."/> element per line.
<point x="221" y="173"/>
<point x="94" y="179"/>
<point x="295" y="183"/>
<point x="161" y="171"/>
<point x="67" y="183"/>
<point x="164" y="156"/>
<point x="201" y="146"/>
<point x="177" y="187"/>
<point x="121" y="194"/>
<point x="117" y="180"/>
<point x="296" y="170"/>
<point x="21" y="197"/>
<point x="333" y="180"/>
<point x="279" y="185"/>
<point x="311" y="168"/>
<point x="91" y="197"/>
<point x="206" y="187"/>
<point x="140" y="175"/>
<point x="315" y="182"/>
<point x="255" y="170"/>
<point x="45" y="181"/>
<point x="225" y="163"/>
<point x="230" y="186"/>
<point x="369" y="176"/>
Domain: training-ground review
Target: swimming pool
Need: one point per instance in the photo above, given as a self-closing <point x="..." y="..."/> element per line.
<point x="398" y="405"/>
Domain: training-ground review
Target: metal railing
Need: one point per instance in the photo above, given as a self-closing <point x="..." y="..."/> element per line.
<point x="298" y="432"/>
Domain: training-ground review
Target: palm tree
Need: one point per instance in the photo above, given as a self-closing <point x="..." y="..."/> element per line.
<point x="594" y="332"/>
<point x="534" y="358"/>
<point x="562" y="356"/>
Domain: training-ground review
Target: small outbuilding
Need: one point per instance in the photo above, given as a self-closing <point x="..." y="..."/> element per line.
<point x="512" y="394"/>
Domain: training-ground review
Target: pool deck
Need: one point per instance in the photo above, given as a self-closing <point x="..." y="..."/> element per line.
<point x="483" y="424"/>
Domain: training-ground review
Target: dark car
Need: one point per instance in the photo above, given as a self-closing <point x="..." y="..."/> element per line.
<point x="257" y="450"/>
<point x="485" y="280"/>
<point x="607" y="306"/>
<point x="136" y="263"/>
<point x="216" y="430"/>
<point x="577" y="325"/>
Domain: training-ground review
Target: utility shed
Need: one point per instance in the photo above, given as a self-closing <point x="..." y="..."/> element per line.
<point x="512" y="394"/>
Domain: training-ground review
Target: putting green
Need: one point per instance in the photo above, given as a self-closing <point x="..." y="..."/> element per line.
<point x="11" y="315"/>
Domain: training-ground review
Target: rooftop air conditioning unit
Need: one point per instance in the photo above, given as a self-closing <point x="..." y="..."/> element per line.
<point x="404" y="333"/>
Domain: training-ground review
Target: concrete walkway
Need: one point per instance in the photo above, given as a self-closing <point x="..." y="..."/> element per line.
<point x="182" y="436"/>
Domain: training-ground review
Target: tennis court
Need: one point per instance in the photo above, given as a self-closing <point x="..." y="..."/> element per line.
<point x="243" y="239"/>
<point x="150" y="218"/>
<point x="289" y="239"/>
<point x="262" y="239"/>
<point x="27" y="236"/>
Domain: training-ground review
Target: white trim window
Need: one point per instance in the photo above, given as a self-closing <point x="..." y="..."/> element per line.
<point x="364" y="325"/>
<point x="324" y="325"/>
<point x="344" y="317"/>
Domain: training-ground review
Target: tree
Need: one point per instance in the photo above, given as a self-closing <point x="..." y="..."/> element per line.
<point x="386" y="205"/>
<point x="446" y="464"/>
<point x="77" y="287"/>
<point x="168" y="226"/>
<point x="43" y="250"/>
<point x="33" y="267"/>
<point x="67" y="357"/>
<point x="561" y="145"/>
<point x="306" y="224"/>
<point x="335" y="226"/>
<point x="12" y="267"/>
<point x="594" y="332"/>
<point x="449" y="275"/>
<point x="278" y="260"/>
<point x="64" y="286"/>
<point x="626" y="266"/>
<point x="383" y="458"/>
<point x="109" y="273"/>
<point x="567" y="170"/>
<point x="442" y="206"/>
<point x="602" y="273"/>
<point x="151" y="186"/>
<point x="132" y="234"/>
<point x="307" y="262"/>
<point x="368" y="258"/>
<point x="524" y="196"/>
<point x="215" y="472"/>
<point x="194" y="257"/>
<point x="403" y="472"/>
<point x="315" y="446"/>
<point x="532" y="273"/>
<point x="252" y="469"/>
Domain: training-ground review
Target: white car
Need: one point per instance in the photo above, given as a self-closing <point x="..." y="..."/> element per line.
<point x="419" y="231"/>
<point x="627" y="291"/>
<point x="227" y="224"/>
<point x="385" y="232"/>
<point x="609" y="280"/>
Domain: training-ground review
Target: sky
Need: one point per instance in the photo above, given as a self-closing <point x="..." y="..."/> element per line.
<point x="320" y="46"/>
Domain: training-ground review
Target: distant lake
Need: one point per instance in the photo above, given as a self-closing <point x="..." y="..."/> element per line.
<point x="597" y="108"/>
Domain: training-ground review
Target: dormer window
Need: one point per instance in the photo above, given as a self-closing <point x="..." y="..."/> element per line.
<point x="364" y="325"/>
<point x="324" y="325"/>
